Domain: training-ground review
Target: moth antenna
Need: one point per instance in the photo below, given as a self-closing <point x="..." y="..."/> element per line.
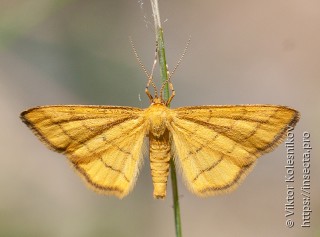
<point x="173" y="71"/>
<point x="150" y="81"/>
<point x="180" y="60"/>
<point x="138" y="58"/>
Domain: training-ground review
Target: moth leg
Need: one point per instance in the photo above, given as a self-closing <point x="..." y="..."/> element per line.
<point x="148" y="93"/>
<point x="173" y="93"/>
<point x="170" y="75"/>
<point x="150" y="77"/>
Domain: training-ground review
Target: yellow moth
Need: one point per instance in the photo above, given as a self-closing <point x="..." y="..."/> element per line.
<point x="215" y="147"/>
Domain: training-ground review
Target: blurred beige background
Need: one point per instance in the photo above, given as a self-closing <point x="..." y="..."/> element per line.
<point x="78" y="52"/>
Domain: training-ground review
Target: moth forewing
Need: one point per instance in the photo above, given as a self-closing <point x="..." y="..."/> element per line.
<point x="217" y="146"/>
<point x="103" y="143"/>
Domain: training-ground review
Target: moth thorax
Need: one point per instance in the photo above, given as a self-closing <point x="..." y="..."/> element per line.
<point x="158" y="127"/>
<point x="158" y="118"/>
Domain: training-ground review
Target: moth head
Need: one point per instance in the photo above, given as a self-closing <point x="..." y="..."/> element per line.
<point x="157" y="100"/>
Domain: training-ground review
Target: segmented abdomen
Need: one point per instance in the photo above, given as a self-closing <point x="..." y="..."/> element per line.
<point x="159" y="162"/>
